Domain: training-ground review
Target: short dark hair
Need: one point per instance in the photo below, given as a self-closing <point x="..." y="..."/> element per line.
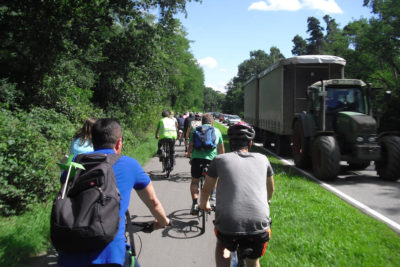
<point x="207" y="119"/>
<point x="165" y="113"/>
<point x="237" y="144"/>
<point x="105" y="133"/>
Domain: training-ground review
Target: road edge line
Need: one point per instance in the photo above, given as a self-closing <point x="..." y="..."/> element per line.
<point x="362" y="207"/>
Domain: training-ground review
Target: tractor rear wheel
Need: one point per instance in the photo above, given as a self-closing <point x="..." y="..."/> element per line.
<point x="388" y="165"/>
<point x="326" y="158"/>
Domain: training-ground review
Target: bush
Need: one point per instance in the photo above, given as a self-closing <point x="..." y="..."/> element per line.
<point x="30" y="145"/>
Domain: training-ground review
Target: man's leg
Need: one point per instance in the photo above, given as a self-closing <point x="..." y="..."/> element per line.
<point x="253" y="262"/>
<point x="222" y="255"/>
<point x="194" y="191"/>
<point x="172" y="152"/>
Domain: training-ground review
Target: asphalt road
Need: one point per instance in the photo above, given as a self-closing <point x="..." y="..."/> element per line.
<point x="182" y="244"/>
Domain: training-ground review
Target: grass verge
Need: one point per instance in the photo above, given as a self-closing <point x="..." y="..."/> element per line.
<point x="25" y="235"/>
<point x="313" y="227"/>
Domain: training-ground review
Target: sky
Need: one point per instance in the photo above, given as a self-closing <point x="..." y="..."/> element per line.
<point x="223" y="32"/>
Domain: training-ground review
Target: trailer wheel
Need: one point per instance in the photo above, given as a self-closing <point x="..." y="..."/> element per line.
<point x="326" y="158"/>
<point x="282" y="145"/>
<point x="388" y="166"/>
<point x="300" y="147"/>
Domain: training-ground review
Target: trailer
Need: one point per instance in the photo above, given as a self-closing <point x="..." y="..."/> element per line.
<point x="273" y="97"/>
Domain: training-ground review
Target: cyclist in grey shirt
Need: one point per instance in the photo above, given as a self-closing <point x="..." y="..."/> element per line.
<point x="244" y="189"/>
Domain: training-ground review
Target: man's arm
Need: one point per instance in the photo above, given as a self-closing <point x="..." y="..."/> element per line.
<point x="209" y="185"/>
<point x="189" y="150"/>
<point x="149" y="198"/>
<point x="270" y="187"/>
<point x="221" y="148"/>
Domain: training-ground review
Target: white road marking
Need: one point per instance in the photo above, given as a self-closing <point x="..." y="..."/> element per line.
<point x="392" y="224"/>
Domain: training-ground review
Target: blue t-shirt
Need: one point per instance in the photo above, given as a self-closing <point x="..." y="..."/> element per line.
<point x="76" y="148"/>
<point x="129" y="174"/>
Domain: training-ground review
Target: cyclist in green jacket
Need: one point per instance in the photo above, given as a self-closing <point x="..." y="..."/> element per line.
<point x="166" y="132"/>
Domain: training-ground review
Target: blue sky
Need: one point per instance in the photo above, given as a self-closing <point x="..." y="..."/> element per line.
<point x="223" y="32"/>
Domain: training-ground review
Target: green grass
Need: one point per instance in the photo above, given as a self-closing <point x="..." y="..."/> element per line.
<point x="313" y="227"/>
<point x="24" y="235"/>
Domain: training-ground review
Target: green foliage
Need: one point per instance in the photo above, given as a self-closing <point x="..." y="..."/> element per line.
<point x="213" y="100"/>
<point x="30" y="145"/>
<point x="9" y="96"/>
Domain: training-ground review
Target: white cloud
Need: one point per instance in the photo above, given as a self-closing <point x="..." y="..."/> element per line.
<point x="274" y="5"/>
<point x="326" y="6"/>
<point x="208" y="62"/>
<point x="220" y="87"/>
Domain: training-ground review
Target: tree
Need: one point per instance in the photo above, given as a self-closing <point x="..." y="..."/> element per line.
<point x="335" y="42"/>
<point x="315" y="41"/>
<point x="299" y="46"/>
<point x="213" y="100"/>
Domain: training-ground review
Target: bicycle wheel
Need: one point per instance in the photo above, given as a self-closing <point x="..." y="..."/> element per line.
<point x="167" y="160"/>
<point x="203" y="213"/>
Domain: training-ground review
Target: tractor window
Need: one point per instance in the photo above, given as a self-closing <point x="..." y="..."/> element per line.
<point x="345" y="99"/>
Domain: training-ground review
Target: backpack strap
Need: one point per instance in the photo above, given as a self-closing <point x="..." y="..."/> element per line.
<point x="113" y="158"/>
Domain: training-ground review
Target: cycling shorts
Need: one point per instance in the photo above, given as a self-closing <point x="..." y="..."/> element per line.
<point x="257" y="242"/>
<point x="197" y="167"/>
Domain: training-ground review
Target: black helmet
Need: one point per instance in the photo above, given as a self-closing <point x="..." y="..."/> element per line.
<point x="241" y="131"/>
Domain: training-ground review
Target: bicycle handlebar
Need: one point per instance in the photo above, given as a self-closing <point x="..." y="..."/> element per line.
<point x="146" y="227"/>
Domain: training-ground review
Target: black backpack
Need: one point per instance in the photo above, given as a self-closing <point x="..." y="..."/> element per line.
<point x="87" y="218"/>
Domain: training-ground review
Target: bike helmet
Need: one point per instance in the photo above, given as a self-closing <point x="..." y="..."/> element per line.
<point x="241" y="131"/>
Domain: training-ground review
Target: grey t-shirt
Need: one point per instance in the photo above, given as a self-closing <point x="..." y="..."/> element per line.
<point x="241" y="206"/>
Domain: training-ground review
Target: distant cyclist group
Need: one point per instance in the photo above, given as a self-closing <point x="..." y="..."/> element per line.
<point x="241" y="181"/>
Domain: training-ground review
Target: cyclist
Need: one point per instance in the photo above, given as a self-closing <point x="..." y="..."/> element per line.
<point x="202" y="157"/>
<point x="186" y="125"/>
<point x="244" y="190"/>
<point x="166" y="132"/>
<point x="192" y="125"/>
<point x="107" y="139"/>
<point x="181" y="125"/>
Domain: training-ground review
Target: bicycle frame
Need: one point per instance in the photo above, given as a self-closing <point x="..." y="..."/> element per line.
<point x="166" y="162"/>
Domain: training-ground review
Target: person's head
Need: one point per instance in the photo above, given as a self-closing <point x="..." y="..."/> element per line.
<point x="197" y="117"/>
<point x="107" y="133"/>
<point x="165" y="113"/>
<point x="191" y="115"/>
<point x="85" y="133"/>
<point x="171" y="114"/>
<point x="240" y="136"/>
<point x="207" y="119"/>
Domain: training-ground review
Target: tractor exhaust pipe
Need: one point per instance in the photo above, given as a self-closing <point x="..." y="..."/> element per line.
<point x="322" y="96"/>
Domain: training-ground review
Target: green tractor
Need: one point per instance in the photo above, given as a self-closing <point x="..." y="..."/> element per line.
<point x="338" y="126"/>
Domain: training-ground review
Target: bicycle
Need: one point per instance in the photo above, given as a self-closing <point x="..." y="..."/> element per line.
<point x="180" y="136"/>
<point x="134" y="227"/>
<point x="202" y="213"/>
<point x="166" y="158"/>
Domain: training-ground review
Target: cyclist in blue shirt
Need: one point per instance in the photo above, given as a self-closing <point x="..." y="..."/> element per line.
<point x="107" y="138"/>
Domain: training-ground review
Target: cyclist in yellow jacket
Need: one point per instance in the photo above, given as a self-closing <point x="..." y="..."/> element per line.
<point x="166" y="132"/>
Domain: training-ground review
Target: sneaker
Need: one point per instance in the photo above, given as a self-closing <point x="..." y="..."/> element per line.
<point x="195" y="209"/>
<point x="213" y="198"/>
